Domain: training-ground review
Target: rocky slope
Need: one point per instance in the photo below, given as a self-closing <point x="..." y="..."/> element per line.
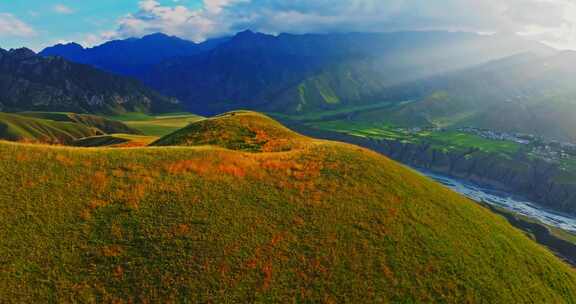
<point x="31" y="82"/>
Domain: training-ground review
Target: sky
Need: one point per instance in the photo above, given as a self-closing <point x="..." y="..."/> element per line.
<point x="40" y="23"/>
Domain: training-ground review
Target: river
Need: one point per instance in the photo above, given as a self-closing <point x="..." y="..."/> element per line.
<point x="507" y="201"/>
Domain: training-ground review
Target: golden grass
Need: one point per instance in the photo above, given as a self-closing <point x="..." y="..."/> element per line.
<point x="323" y="222"/>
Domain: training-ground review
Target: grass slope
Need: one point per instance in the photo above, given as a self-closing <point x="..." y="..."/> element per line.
<point x="56" y="128"/>
<point x="240" y="130"/>
<point x="323" y="222"/>
<point x="105" y="125"/>
<point x="159" y="125"/>
<point x="115" y="140"/>
<point x="20" y="128"/>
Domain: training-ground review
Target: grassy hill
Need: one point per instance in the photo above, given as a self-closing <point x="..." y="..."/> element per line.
<point x="246" y="131"/>
<point x="115" y="140"/>
<point x="156" y="125"/>
<point x="56" y="128"/>
<point x="321" y="222"/>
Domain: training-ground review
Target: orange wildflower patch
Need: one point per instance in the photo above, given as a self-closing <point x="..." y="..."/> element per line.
<point x="65" y="161"/>
<point x="112" y="251"/>
<point x="99" y="182"/>
<point x="231" y="169"/>
<point x="187" y="166"/>
<point x="118" y="272"/>
<point x="181" y="230"/>
<point x="267" y="272"/>
<point x="98" y="204"/>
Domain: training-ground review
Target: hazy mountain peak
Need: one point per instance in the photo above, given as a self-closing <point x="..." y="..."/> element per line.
<point x="22" y="53"/>
<point x="249" y="34"/>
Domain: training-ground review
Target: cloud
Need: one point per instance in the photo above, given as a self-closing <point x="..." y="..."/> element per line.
<point x="532" y="18"/>
<point x="10" y="26"/>
<point x="62" y="9"/>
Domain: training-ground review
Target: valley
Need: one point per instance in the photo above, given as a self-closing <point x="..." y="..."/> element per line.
<point x="157" y="125"/>
<point x="416" y="166"/>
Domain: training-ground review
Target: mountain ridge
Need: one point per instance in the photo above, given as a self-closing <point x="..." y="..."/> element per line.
<point x="29" y="82"/>
<point x="132" y="56"/>
<point x="292" y="73"/>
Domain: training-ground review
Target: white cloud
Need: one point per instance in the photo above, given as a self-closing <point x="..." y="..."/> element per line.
<point x="10" y="26"/>
<point x="538" y="19"/>
<point x="62" y="9"/>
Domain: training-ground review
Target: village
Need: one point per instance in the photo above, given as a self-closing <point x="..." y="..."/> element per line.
<point x="548" y="150"/>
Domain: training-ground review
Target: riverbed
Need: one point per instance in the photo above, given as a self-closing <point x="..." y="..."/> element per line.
<point x="508" y="202"/>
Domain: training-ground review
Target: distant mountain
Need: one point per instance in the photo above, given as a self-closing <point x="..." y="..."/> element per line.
<point x="293" y="73"/>
<point x="527" y="93"/>
<point x="302" y="73"/>
<point x="133" y="56"/>
<point x="32" y="82"/>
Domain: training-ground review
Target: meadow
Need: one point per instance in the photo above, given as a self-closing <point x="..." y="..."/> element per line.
<point x="449" y="140"/>
<point x="156" y="125"/>
<point x="314" y="221"/>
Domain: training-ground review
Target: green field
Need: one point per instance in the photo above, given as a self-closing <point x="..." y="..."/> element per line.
<point x="313" y="222"/>
<point x="341" y="111"/>
<point x="443" y="140"/>
<point x="157" y="125"/>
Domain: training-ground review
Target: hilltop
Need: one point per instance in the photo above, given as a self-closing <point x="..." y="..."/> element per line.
<point x="240" y="130"/>
<point x="218" y="221"/>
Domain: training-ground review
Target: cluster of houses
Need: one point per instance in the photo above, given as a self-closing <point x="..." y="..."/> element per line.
<point x="523" y="139"/>
<point x="549" y="150"/>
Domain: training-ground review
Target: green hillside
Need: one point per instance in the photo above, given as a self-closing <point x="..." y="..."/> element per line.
<point x="324" y="222"/>
<point x="115" y="140"/>
<point x="156" y="125"/>
<point x="524" y="93"/>
<point x="56" y="128"/>
<point x="93" y="121"/>
<point x="240" y="130"/>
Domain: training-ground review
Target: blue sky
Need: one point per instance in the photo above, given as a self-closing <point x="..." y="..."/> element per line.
<point x="68" y="20"/>
<point x="40" y="23"/>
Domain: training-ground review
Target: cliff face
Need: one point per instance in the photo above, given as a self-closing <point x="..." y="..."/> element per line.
<point x="32" y="82"/>
<point x="536" y="180"/>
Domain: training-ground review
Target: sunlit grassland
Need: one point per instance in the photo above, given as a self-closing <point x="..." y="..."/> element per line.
<point x="341" y="111"/>
<point x="326" y="222"/>
<point x="157" y="125"/>
<point x="17" y="127"/>
<point x="115" y="140"/>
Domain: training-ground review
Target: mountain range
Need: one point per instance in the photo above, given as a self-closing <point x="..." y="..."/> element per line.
<point x="32" y="82"/>
<point x="295" y="73"/>
<point x="131" y="57"/>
